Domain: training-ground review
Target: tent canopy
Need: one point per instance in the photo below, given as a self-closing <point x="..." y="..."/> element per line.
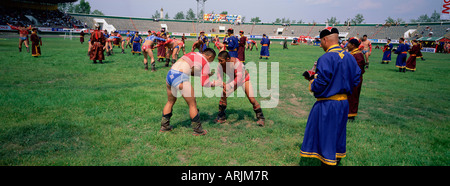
<point x="429" y="38"/>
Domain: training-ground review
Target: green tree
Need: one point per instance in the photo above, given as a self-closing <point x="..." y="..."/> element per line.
<point x="179" y="15"/>
<point x="97" y="12"/>
<point x="157" y="15"/>
<point x="358" y="19"/>
<point x="190" y="15"/>
<point x="332" y="21"/>
<point x="83" y="7"/>
<point x="167" y="16"/>
<point x="390" y="20"/>
<point x="435" y="16"/>
<point x="224" y="12"/>
<point x="200" y="14"/>
<point x="278" y="20"/>
<point x="255" y="20"/>
<point x="285" y="20"/>
<point x="65" y="7"/>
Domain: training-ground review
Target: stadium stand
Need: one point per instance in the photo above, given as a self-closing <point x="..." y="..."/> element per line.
<point x="37" y="13"/>
<point x="373" y="31"/>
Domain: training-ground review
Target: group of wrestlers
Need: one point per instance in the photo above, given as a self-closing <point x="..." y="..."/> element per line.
<point x="335" y="79"/>
<point x="190" y="64"/>
<point x="197" y="64"/>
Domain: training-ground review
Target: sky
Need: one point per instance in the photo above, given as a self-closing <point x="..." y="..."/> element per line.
<point x="374" y="11"/>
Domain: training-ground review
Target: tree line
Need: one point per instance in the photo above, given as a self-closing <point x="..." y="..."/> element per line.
<point x="82" y="8"/>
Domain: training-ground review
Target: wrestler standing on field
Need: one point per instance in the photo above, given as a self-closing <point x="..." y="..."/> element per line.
<point x="177" y="80"/>
<point x="240" y="78"/>
<point x="23" y="35"/>
<point x="366" y="47"/>
<point x="147" y="49"/>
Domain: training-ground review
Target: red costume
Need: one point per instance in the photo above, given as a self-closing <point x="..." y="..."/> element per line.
<point x="35" y="45"/>
<point x="411" y="62"/>
<point x="98" y="40"/>
<point x="353" y="99"/>
<point x="241" y="50"/>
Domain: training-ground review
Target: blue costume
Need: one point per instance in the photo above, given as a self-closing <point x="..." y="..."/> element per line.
<point x="402" y="51"/>
<point x="325" y="134"/>
<point x="265" y="42"/>
<point x="387" y="53"/>
<point x="136" y="44"/>
<point x="154" y="38"/>
<point x="205" y="40"/>
<point x="232" y="45"/>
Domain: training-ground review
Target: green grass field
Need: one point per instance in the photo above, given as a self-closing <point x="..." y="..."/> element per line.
<point x="60" y="109"/>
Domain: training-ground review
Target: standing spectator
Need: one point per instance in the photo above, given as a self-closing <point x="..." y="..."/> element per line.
<point x="336" y="74"/>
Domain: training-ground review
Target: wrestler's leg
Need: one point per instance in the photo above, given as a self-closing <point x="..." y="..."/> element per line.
<point x="20" y="45"/>
<point x="26" y="42"/>
<point x="175" y="55"/>
<point x="152" y="59"/>
<point x="221" y="116"/>
<point x="145" y="58"/>
<point x="256" y="107"/>
<point x="167" y="111"/>
<point x="188" y="94"/>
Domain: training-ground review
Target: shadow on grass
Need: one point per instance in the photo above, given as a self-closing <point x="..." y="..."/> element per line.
<point x="209" y="118"/>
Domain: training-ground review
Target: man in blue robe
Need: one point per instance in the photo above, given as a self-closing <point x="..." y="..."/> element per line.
<point x="265" y="46"/>
<point x="204" y="39"/>
<point x="402" y="51"/>
<point x="136" y="39"/>
<point x="387" y="51"/>
<point x="232" y="43"/>
<point x="337" y="72"/>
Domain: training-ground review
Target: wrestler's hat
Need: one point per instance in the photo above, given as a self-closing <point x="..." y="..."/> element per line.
<point x="355" y="41"/>
<point x="328" y="31"/>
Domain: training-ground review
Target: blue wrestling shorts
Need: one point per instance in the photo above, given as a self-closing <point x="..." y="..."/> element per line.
<point x="23" y="38"/>
<point x="175" y="77"/>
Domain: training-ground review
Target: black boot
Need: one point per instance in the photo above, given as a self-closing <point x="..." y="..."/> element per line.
<point x="20" y="49"/>
<point x="351" y="119"/>
<point x="167" y="63"/>
<point x="153" y="67"/>
<point x="197" y="126"/>
<point x="173" y="61"/>
<point x="146" y="66"/>
<point x="404" y="70"/>
<point x="399" y="69"/>
<point x="260" y="117"/>
<point x="221" y="116"/>
<point x="165" y="123"/>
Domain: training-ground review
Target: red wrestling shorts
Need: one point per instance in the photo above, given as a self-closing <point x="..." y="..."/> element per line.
<point x="145" y="47"/>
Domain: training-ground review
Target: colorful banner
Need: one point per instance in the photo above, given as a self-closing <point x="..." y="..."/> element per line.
<point x="445" y="13"/>
<point x="222" y="17"/>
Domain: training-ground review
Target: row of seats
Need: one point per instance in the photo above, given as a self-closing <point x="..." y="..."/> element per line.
<point x="376" y="32"/>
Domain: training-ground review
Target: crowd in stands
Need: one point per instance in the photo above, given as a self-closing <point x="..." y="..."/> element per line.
<point x="44" y="18"/>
